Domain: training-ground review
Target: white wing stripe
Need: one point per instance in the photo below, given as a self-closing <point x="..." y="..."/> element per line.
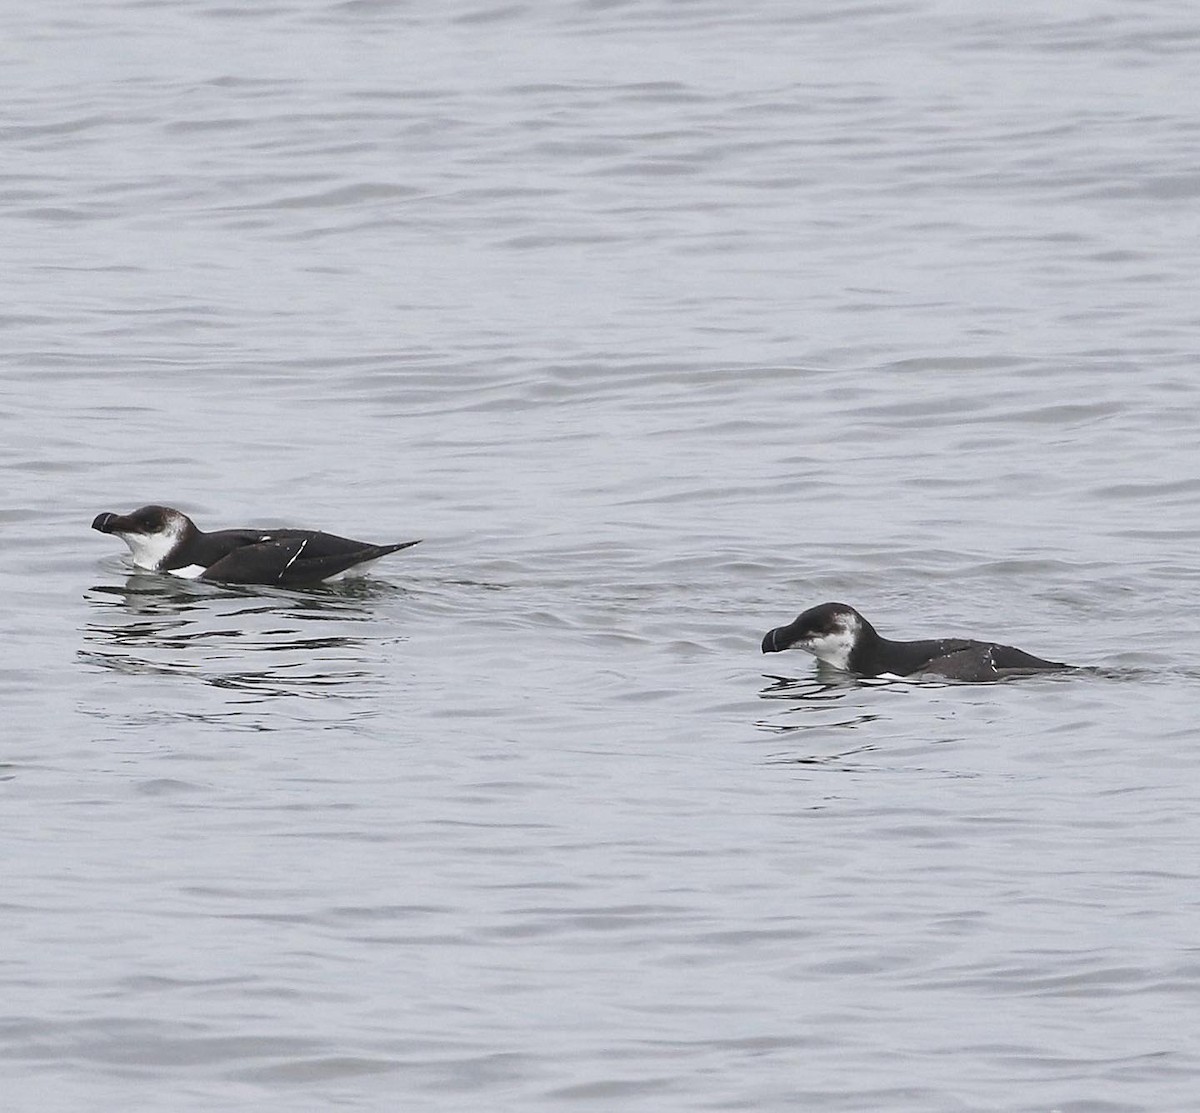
<point x="294" y="558"/>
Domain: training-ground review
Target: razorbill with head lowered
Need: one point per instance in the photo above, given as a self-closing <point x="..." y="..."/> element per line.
<point x="166" y="540"/>
<point x="839" y="636"/>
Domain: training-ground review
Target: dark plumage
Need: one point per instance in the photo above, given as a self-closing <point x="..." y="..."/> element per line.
<point x="838" y="635"/>
<point x="166" y="540"/>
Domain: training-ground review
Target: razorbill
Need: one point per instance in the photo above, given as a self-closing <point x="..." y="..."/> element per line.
<point x="166" y="540"/>
<point x="839" y="636"/>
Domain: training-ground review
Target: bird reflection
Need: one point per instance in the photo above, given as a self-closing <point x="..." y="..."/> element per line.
<point x="818" y="710"/>
<point x="262" y="642"/>
<point x="821" y="686"/>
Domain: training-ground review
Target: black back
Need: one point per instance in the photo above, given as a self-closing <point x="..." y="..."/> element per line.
<point x="953" y="658"/>
<point x="287" y="557"/>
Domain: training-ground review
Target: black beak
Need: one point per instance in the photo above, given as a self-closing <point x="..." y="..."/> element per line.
<point x="768" y="645"/>
<point x="105" y="522"/>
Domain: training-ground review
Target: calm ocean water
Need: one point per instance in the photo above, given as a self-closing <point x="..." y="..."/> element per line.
<point x="659" y="322"/>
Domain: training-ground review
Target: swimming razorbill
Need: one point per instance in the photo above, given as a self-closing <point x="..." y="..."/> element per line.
<point x="839" y="636"/>
<point x="166" y="540"/>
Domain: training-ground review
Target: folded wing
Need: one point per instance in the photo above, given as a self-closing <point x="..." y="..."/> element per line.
<point x="291" y="558"/>
<point x="982" y="661"/>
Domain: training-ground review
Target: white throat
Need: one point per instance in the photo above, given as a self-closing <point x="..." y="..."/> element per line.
<point x="835" y="647"/>
<point x="151" y="549"/>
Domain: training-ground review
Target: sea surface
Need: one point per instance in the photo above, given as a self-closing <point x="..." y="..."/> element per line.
<point x="658" y="322"/>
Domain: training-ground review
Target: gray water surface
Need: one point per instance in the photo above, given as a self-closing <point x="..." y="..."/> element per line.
<point x="659" y="323"/>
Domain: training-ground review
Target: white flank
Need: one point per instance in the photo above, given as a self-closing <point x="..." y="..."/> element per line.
<point x="188" y="572"/>
<point x="351" y="573"/>
<point x="892" y="678"/>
